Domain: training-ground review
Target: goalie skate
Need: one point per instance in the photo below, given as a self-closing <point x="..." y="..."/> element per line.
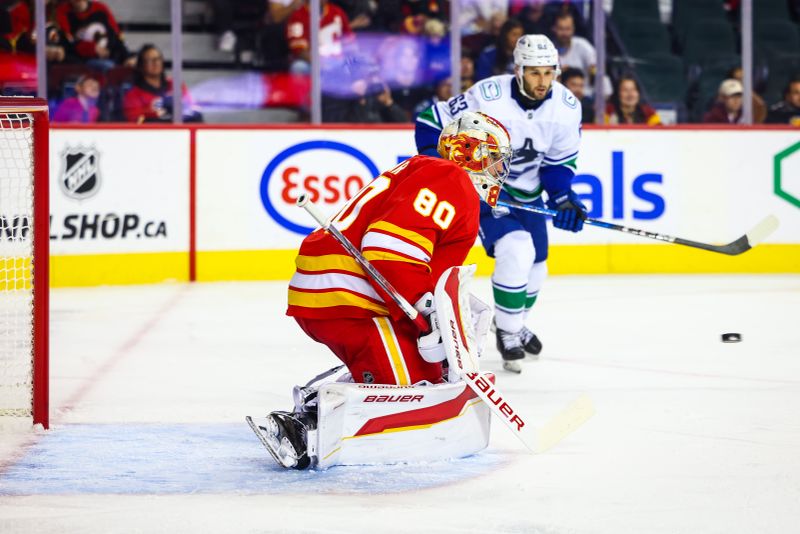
<point x="285" y="436"/>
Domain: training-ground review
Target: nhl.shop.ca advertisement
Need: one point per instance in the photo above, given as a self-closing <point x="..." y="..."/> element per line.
<point x="117" y="191"/>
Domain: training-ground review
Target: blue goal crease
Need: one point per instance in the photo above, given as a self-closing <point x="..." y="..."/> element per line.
<point x="203" y="458"/>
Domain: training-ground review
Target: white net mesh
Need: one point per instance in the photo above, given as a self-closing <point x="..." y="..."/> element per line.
<point x="16" y="260"/>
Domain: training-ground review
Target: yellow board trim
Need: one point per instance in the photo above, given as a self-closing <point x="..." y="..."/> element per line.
<point x="118" y="269"/>
<point x="420" y="240"/>
<point x="656" y="259"/>
<point x="394" y="352"/>
<point x="147" y="268"/>
<point x="329" y="299"/>
<point x="379" y="255"/>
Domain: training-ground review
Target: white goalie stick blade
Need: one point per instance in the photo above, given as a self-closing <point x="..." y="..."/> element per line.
<point x="762" y="230"/>
<point x="564" y="423"/>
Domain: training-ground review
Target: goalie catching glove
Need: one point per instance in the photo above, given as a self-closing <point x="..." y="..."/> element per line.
<point x="430" y="344"/>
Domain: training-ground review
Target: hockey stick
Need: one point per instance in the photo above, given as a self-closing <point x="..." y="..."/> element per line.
<point x="551" y="433"/>
<point x="760" y="232"/>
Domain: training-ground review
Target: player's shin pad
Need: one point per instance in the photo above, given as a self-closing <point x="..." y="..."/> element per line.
<point x="377" y="424"/>
<point x="463" y="330"/>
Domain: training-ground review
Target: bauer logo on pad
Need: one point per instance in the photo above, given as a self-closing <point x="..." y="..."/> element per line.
<point x="80" y="175"/>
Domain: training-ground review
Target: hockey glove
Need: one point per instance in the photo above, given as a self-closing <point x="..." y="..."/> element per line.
<point x="571" y="211"/>
<point x="430" y="344"/>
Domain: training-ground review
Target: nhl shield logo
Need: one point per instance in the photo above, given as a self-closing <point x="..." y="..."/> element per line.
<point x="81" y="175"/>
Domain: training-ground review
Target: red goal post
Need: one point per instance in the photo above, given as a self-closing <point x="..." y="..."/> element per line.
<point x="24" y="257"/>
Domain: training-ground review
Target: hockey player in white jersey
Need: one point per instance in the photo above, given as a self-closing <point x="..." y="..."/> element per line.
<point x="543" y="118"/>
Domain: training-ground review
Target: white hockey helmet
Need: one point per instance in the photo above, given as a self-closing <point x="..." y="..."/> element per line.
<point x="534" y="50"/>
<point x="481" y="146"/>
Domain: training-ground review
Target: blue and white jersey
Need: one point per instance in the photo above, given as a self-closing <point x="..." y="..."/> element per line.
<point x="546" y="134"/>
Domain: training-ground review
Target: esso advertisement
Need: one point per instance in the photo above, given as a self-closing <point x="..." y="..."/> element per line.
<point x="329" y="172"/>
<point x="248" y="180"/>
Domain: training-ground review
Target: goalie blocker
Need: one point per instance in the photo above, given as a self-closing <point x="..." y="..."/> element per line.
<point x="336" y="423"/>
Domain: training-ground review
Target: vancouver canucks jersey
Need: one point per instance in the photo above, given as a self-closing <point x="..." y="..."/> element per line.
<point x="545" y="134"/>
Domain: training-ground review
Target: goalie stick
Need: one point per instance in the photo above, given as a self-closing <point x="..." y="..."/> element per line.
<point x="552" y="432"/>
<point x="759" y="232"/>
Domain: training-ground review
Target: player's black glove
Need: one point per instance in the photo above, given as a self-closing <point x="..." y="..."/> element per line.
<point x="571" y="211"/>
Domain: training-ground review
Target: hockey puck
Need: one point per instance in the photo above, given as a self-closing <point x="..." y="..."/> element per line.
<point x="731" y="337"/>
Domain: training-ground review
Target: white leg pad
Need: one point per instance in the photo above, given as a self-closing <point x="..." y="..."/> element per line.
<point x="381" y="424"/>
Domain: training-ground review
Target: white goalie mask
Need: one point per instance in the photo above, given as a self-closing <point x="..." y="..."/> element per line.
<point x="534" y="51"/>
<point x="481" y="146"/>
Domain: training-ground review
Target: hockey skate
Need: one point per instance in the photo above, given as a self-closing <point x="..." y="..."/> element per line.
<point x="509" y="344"/>
<point x="530" y="342"/>
<point x="285" y="436"/>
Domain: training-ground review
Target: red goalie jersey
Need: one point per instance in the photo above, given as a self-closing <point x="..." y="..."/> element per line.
<point x="411" y="223"/>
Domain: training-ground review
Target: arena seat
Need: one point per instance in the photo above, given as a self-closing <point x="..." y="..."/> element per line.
<point x="708" y="38"/>
<point x="644" y="37"/>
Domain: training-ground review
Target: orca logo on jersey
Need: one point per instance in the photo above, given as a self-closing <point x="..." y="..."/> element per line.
<point x="329" y="171"/>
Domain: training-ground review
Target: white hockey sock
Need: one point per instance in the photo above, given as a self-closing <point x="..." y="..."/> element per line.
<point x="535" y="280"/>
<point x="514" y="255"/>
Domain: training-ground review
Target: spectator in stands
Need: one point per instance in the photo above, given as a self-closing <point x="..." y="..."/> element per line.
<point x="83" y="106"/>
<point x="499" y="57"/>
<point x="279" y="10"/>
<point x="93" y="33"/>
<point x="150" y="98"/>
<point x="573" y="51"/>
<point x="371" y="102"/>
<point x="533" y="18"/>
<point x="759" y="106"/>
<point x="400" y="64"/>
<point x="467" y="71"/>
<point x="575" y="80"/>
<point x="437" y="50"/>
<point x="334" y="35"/>
<point x="56" y="48"/>
<point x="788" y="110"/>
<point x="728" y="107"/>
<point x="360" y="13"/>
<point x="223" y="19"/>
<point x="443" y="91"/>
<point x="537" y="16"/>
<point x="481" y="16"/>
<point x="626" y="106"/>
<point x="15" y="21"/>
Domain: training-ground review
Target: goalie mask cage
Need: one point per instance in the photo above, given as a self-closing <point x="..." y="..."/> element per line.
<point x="24" y="240"/>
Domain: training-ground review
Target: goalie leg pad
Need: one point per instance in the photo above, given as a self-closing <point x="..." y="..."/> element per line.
<point x="376" y="424"/>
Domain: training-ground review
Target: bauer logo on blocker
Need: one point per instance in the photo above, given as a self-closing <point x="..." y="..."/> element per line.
<point x="80" y="175"/>
<point x="329" y="171"/>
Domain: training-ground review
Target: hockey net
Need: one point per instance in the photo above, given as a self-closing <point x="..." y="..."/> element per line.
<point x="24" y="235"/>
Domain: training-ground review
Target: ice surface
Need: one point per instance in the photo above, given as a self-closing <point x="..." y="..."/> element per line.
<point x="150" y="386"/>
